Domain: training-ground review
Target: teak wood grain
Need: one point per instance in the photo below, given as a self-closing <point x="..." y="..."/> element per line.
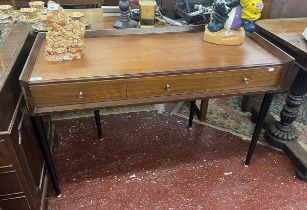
<point x="284" y="26"/>
<point x="284" y="9"/>
<point x="244" y="78"/>
<point x="130" y="55"/>
<point x="148" y="61"/>
<point x="286" y="33"/>
<point x="4" y="156"/>
<point x="165" y="85"/>
<point x="78" y="93"/>
<point x="153" y="100"/>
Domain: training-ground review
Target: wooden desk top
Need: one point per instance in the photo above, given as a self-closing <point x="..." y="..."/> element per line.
<point x="13" y="53"/>
<point x="283" y="26"/>
<point x="152" y="54"/>
<point x="288" y="33"/>
<point x="10" y="49"/>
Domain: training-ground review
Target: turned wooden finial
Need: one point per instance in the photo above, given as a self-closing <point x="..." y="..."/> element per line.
<point x="124" y="21"/>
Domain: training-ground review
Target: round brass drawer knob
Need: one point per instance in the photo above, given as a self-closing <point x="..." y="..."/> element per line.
<point x="167" y="87"/>
<point x="271" y="69"/>
<point x="81" y="95"/>
<point x="246" y="80"/>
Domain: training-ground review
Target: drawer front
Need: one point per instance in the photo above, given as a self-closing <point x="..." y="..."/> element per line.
<point x="9" y="183"/>
<point x="19" y="203"/>
<point x="4" y="156"/>
<point x="244" y="78"/>
<point x="165" y="85"/>
<point x="27" y="149"/>
<point x="78" y="93"/>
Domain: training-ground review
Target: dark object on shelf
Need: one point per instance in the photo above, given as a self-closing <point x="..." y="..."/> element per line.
<point x="220" y="12"/>
<point x="194" y="11"/>
<point x="167" y="8"/>
<point x="124" y="20"/>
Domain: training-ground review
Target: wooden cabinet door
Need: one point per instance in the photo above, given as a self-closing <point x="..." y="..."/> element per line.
<point x="28" y="152"/>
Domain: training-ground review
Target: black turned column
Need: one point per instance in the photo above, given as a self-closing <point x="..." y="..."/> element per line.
<point x="124" y="21"/>
<point x="279" y="132"/>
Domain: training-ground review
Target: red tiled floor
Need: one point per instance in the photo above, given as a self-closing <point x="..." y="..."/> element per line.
<point x="151" y="161"/>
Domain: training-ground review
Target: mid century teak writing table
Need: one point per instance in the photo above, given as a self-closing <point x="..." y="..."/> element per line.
<point x="133" y="67"/>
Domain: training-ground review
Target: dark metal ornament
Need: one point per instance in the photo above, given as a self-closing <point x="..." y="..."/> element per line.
<point x="124" y="20"/>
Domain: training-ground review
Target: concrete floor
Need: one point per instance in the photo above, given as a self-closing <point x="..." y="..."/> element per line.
<point x="151" y="161"/>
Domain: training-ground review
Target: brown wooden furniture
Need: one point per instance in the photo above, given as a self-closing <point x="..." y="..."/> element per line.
<point x="98" y="22"/>
<point x="82" y="4"/>
<point x="287" y="34"/>
<point x="111" y="2"/>
<point x="165" y="67"/>
<point x="284" y="8"/>
<point x="23" y="180"/>
<point x="274" y="9"/>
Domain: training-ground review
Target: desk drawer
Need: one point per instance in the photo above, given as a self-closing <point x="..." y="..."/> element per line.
<point x="20" y="203"/>
<point x="4" y="156"/>
<point x="78" y="93"/>
<point x="244" y="78"/>
<point x="165" y="85"/>
<point x="9" y="183"/>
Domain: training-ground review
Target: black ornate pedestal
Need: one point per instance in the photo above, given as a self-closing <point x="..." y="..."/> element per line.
<point x="280" y="132"/>
<point x="124" y="21"/>
<point x="283" y="134"/>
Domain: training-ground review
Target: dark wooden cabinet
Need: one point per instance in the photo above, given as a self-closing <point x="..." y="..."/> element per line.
<point x="23" y="177"/>
<point x="111" y="2"/>
<point x="284" y="8"/>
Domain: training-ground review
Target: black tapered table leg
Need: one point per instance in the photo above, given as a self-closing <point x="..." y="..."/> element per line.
<point x="266" y="102"/>
<point x="192" y="111"/>
<point x="37" y="122"/>
<point x="98" y="124"/>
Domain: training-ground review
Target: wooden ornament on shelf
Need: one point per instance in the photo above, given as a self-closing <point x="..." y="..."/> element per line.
<point x="124" y="20"/>
<point x="66" y="40"/>
<point x="225" y="37"/>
